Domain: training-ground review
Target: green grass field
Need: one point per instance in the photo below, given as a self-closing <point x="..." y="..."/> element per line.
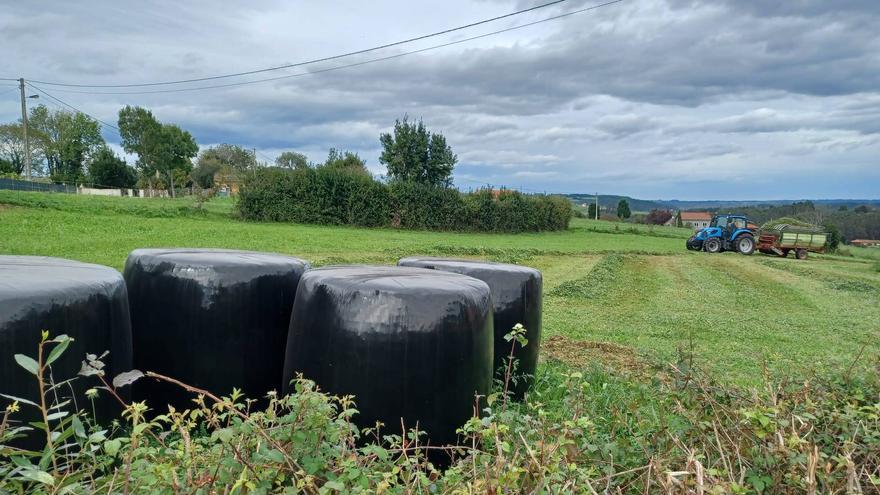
<point x="632" y="286"/>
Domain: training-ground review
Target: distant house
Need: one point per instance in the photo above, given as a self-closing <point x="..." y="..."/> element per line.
<point x="865" y="242"/>
<point x="695" y="219"/>
<point x="226" y="184"/>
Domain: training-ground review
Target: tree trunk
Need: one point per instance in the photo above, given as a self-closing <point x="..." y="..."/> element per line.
<point x="171" y="176"/>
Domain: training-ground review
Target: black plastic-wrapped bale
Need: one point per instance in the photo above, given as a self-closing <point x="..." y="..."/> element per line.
<point x="516" y="296"/>
<point x="408" y="343"/>
<point x="86" y="302"/>
<point x="212" y="318"/>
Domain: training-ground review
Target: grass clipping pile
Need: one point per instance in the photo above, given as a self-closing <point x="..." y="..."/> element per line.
<point x="792" y="224"/>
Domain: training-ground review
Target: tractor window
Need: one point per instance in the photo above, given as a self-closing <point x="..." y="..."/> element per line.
<point x="738" y="223"/>
<point x="719" y="221"/>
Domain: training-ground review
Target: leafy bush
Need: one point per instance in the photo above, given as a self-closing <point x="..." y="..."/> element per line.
<point x="678" y="432"/>
<point x="328" y="195"/>
<point x="314" y="195"/>
<point x="422" y="206"/>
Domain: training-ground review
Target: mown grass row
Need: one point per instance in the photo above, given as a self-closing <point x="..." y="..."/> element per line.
<point x="737" y="314"/>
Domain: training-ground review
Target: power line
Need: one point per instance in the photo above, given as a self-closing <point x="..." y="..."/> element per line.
<point x="113" y="127"/>
<point x="307" y="62"/>
<point x="347" y="66"/>
<point x="270" y="160"/>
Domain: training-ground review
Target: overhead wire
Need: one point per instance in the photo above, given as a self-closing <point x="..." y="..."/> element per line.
<point x="110" y="126"/>
<point x="317" y="60"/>
<point x="346" y="66"/>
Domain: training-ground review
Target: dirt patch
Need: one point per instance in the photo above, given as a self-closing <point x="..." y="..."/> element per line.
<point x="580" y="353"/>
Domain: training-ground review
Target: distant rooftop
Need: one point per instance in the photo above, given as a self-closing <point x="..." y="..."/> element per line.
<point x="695" y="216"/>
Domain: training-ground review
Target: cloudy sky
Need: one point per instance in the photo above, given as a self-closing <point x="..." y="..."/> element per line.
<point x="687" y="99"/>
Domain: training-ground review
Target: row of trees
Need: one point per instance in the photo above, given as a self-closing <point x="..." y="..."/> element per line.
<point x="68" y="147"/>
<point x="62" y="144"/>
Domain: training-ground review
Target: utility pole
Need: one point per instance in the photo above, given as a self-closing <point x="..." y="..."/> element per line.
<point x="24" y="123"/>
<point x="597" y="206"/>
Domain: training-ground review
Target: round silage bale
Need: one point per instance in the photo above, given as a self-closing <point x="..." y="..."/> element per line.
<point x="86" y="302"/>
<point x="215" y="319"/>
<point x="516" y="296"/>
<point x="411" y="345"/>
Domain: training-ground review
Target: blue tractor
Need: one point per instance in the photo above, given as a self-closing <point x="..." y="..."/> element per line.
<point x="724" y="233"/>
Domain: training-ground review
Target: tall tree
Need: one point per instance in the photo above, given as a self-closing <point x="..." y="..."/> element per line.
<point x="292" y="160"/>
<point x="107" y="169"/>
<point x="161" y="148"/>
<point x="345" y="160"/>
<point x="412" y="153"/>
<point x="66" y="140"/>
<point x="233" y="156"/>
<point x="623" y="210"/>
<point x="591" y="211"/>
<point x="12" y="149"/>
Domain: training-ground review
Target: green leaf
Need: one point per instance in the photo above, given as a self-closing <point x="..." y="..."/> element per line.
<point x="57" y="415"/>
<point x="58" y="350"/>
<point x="127" y="378"/>
<point x="78" y="427"/>
<point x="19" y="399"/>
<point x="334" y="485"/>
<point x="111" y="447"/>
<point x="41" y="476"/>
<point x="27" y="363"/>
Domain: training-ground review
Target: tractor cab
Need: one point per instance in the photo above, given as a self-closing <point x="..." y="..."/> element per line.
<point x="724" y="233"/>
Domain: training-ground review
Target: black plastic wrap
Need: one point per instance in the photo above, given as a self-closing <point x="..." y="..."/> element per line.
<point x="87" y="302"/>
<point x="516" y="296"/>
<point x="213" y="318"/>
<point x="408" y="343"/>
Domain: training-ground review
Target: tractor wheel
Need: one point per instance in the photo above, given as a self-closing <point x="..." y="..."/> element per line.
<point x="801" y="254"/>
<point x="712" y="245"/>
<point x="745" y="244"/>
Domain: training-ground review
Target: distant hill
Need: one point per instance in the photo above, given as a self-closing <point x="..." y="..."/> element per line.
<point x="610" y="201"/>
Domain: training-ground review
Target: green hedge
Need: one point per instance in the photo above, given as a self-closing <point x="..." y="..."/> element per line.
<point x="338" y="197"/>
<point x="322" y="196"/>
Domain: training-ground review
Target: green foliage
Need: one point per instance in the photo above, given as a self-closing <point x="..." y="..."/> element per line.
<point x="580" y="428"/>
<point x="204" y="171"/>
<point x="346" y="196"/>
<point x="345" y="160"/>
<point x="425" y="207"/>
<point x="230" y="156"/>
<point x="12" y="159"/>
<point x="833" y="240"/>
<point x="292" y="160"/>
<point x="164" y="149"/>
<point x="322" y="195"/>
<point x="591" y="210"/>
<point x="623" y="210"/>
<point x="107" y="169"/>
<point x="414" y="154"/>
<point x="65" y="139"/>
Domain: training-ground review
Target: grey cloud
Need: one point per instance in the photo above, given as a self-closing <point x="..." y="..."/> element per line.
<point x="615" y="96"/>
